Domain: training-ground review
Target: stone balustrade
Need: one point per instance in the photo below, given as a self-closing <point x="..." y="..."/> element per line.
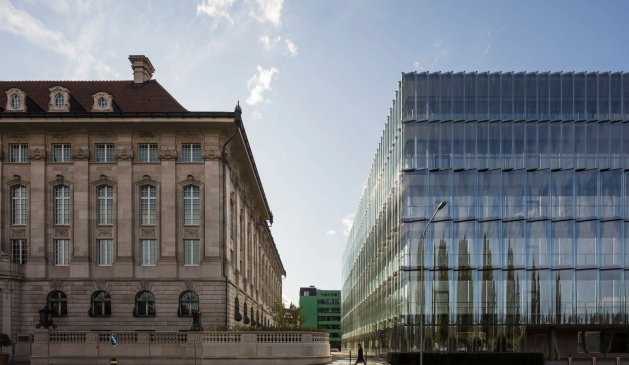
<point x="58" y="347"/>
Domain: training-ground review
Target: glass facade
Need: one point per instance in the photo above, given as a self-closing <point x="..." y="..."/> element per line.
<point x="536" y="226"/>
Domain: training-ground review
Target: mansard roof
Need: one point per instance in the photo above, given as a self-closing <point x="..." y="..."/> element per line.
<point x="128" y="97"/>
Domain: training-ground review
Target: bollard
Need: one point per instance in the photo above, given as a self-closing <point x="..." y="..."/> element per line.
<point x="569" y="360"/>
<point x="594" y="361"/>
<point x="114" y="361"/>
<point x="350" y="357"/>
<point x="617" y="361"/>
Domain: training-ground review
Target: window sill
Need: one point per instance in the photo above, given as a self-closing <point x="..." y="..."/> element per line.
<point x="196" y="265"/>
<point x="105" y="265"/>
<point x="66" y="265"/>
<point x="152" y="265"/>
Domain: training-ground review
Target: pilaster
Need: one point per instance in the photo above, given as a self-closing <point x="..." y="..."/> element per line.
<point x="168" y="206"/>
<point x="79" y="265"/>
<point x="36" y="261"/>
<point x="123" y="263"/>
<point x="211" y="265"/>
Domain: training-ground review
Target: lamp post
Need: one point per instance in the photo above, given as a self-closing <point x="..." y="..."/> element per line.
<point x="45" y="318"/>
<point x="421" y="327"/>
<point x="196" y="321"/>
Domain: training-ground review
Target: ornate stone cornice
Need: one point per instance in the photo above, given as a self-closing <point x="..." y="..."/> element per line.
<point x="17" y="136"/>
<point x="36" y="154"/>
<point x="80" y="154"/>
<point x="123" y="154"/>
<point x="211" y="154"/>
<point x="167" y="154"/>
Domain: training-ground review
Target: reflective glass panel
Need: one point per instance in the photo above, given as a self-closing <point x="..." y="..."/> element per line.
<point x="611" y="194"/>
<point x="514" y="246"/>
<point x="415" y="195"/>
<point x="610" y="300"/>
<point x="446" y="95"/>
<point x="563" y="296"/>
<point x="579" y="96"/>
<point x="586" y="235"/>
<point x="615" y="145"/>
<point x="538" y="292"/>
<point x="482" y="135"/>
<point x="421" y="90"/>
<point x="567" y="97"/>
<point x="562" y="194"/>
<point x="518" y="145"/>
<point x="538" y="234"/>
<point x="482" y="94"/>
<point x="590" y="91"/>
<point x="554" y="146"/>
<point x="579" y="145"/>
<point x="531" y="96"/>
<point x="433" y="145"/>
<point x="433" y="96"/>
<point x="440" y="191"/>
<point x="603" y="96"/>
<point x="463" y="296"/>
<point x="567" y="145"/>
<point x="543" y="96"/>
<point x="507" y="145"/>
<point x="611" y="246"/>
<point x="409" y="145"/>
<point x="458" y="143"/>
<point x="514" y="194"/>
<point x="464" y="195"/>
<point x="421" y="143"/>
<point x="493" y="142"/>
<point x="446" y="145"/>
<point x="514" y="298"/>
<point x="562" y="244"/>
<point x="458" y="96"/>
<point x="408" y="94"/>
<point x="489" y="195"/>
<point x="506" y="91"/>
<point x="489" y="296"/>
<point x="592" y="139"/>
<point x="542" y="145"/>
<point x="555" y="96"/>
<point x="538" y="199"/>
<point x="532" y="156"/>
<point x="603" y="145"/>
<point x="470" y="96"/>
<point x="494" y="96"/>
<point x="489" y="241"/>
<point x="441" y="237"/>
<point x="470" y="145"/>
<point x="586" y="183"/>
<point x="518" y="96"/>
<point x="464" y="244"/>
<point x="615" y="97"/>
<point x="586" y="296"/>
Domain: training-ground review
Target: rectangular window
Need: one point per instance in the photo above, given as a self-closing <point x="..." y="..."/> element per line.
<point x="105" y="153"/>
<point x="149" y="257"/>
<point x="538" y="199"/>
<point x="586" y="183"/>
<point x="18" y="251"/>
<point x="105" y="250"/>
<point x="148" y="152"/>
<point x="514" y="194"/>
<point x="191" y="152"/>
<point x="554" y="146"/>
<point x="538" y="296"/>
<point x="191" y="252"/>
<point x="610" y="300"/>
<point x="537" y="244"/>
<point x="563" y="298"/>
<point x="464" y="195"/>
<point x="489" y="237"/>
<point x="191" y="211"/>
<point x="562" y="237"/>
<point x="62" y="252"/>
<point x="19" y="206"/>
<point x="562" y="194"/>
<point x="18" y="153"/>
<point x="587" y="288"/>
<point x="409" y="145"/>
<point x="514" y="247"/>
<point x="61" y="153"/>
<point x="611" y="247"/>
<point x="610" y="204"/>
<point x="105" y="205"/>
<point x="414" y="195"/>
<point x="148" y="205"/>
<point x="489" y="195"/>
<point x="586" y="234"/>
<point x="464" y="245"/>
<point x="440" y="191"/>
<point x="62" y="205"/>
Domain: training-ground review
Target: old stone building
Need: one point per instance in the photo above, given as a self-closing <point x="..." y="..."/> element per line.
<point x="124" y="211"/>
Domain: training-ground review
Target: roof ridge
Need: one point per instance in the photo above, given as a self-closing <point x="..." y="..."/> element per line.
<point x="69" y="80"/>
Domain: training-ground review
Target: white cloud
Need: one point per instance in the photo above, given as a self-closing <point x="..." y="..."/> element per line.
<point x="286" y="301"/>
<point x="260" y="83"/>
<point x="292" y="48"/>
<point x="267" y="42"/>
<point x="437" y="44"/>
<point x="79" y="57"/>
<point x="216" y="8"/>
<point x="269" y="10"/>
<point x="432" y="57"/>
<point x="256" y="114"/>
<point x="348" y="221"/>
<point x="330" y="233"/>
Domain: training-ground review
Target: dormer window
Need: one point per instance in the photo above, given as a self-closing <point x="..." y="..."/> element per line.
<point x="59" y="99"/>
<point x="16" y="101"/>
<point x="103" y="102"/>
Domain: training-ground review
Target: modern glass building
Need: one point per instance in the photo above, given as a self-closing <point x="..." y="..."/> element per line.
<point x="531" y="252"/>
<point x="322" y="309"/>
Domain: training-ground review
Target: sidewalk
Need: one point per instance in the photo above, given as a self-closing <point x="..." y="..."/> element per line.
<point x="342" y="358"/>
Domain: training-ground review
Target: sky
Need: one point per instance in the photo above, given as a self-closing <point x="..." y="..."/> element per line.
<point x="315" y="79"/>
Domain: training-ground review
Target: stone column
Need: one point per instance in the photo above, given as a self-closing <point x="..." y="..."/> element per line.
<point x="79" y="265"/>
<point x="168" y="208"/>
<point x="40" y="343"/>
<point x="36" y="262"/>
<point x="213" y="206"/>
<point x="124" y="215"/>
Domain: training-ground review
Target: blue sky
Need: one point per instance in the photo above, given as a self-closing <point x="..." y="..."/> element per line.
<point x="315" y="78"/>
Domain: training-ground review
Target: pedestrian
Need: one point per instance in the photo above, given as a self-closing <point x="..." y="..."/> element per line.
<point x="360" y="356"/>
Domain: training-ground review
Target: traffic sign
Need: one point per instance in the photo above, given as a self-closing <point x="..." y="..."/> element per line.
<point x="113" y="339"/>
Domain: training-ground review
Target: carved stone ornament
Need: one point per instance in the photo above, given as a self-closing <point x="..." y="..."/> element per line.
<point x="17" y="178"/>
<point x="59" y="178"/>
<point x="123" y="154"/>
<point x="189" y="285"/>
<point x="167" y="154"/>
<point x="64" y="95"/>
<point x="190" y="136"/>
<point x="190" y="178"/>
<point x="56" y="285"/>
<point x="100" y="285"/>
<point x="147" y="136"/>
<point x="80" y="154"/>
<point x="145" y="285"/>
<point x="62" y="232"/>
<point x="17" y="136"/>
<point x="104" y="137"/>
<point x="36" y="154"/>
<point x="22" y="98"/>
<point x="103" y="178"/>
<point x="61" y="136"/>
<point x="103" y="102"/>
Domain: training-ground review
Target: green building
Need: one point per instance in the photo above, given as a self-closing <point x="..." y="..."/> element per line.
<point x="322" y="309"/>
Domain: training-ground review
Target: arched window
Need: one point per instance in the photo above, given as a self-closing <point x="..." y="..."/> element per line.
<point x="58" y="303"/>
<point x="15" y="101"/>
<point x="148" y="205"/>
<point x="105" y="205"/>
<point x="18" y="205"/>
<point x="145" y="304"/>
<point x="258" y="317"/>
<point x="247" y="320"/>
<point x="102" y="102"/>
<point x="191" y="205"/>
<point x="237" y="315"/>
<point x="62" y="205"/>
<point x="188" y="302"/>
<point x="59" y="101"/>
<point x="101" y="304"/>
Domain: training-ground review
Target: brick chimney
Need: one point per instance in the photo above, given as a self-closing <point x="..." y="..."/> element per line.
<point x="142" y="69"/>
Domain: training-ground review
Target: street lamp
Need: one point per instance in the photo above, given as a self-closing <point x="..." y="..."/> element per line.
<point x="196" y="321"/>
<point x="45" y="318"/>
<point x="421" y="327"/>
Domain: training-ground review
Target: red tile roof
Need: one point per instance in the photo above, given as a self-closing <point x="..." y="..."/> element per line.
<point x="149" y="97"/>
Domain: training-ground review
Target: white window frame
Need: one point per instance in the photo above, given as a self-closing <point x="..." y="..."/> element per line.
<point x="105" y="205"/>
<point x="15" y="97"/>
<point x="19" y="251"/>
<point x="191" y="152"/>
<point x="64" y="152"/>
<point x="60" y="100"/>
<point x="62" y="206"/>
<point x="191" y="205"/>
<point x="19" y="206"/>
<point x="18" y="152"/>
<point x="191" y="252"/>
<point x="147" y="152"/>
<point x="148" y="206"/>
<point x="62" y="252"/>
<point x="105" y="152"/>
<point x="105" y="252"/>
<point x="148" y="252"/>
